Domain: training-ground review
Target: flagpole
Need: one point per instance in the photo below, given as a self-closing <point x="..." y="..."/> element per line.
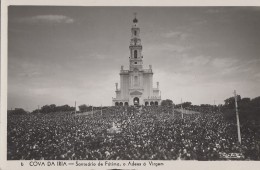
<point x="181" y="109"/>
<point x="75" y="107"/>
<point x="237" y="116"/>
<point x="213" y="108"/>
<point x="101" y="109"/>
<point x="173" y="110"/>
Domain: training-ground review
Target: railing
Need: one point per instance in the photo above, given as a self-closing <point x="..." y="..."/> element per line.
<point x="136" y="59"/>
<point x="147" y="70"/>
<point x="153" y="97"/>
<point x="115" y="99"/>
<point x="137" y="46"/>
<point x="124" y="71"/>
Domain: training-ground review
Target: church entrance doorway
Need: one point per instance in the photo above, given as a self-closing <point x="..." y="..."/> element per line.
<point x="136" y="101"/>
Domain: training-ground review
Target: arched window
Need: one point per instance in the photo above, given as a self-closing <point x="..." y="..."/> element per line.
<point x="126" y="103"/>
<point x="146" y="103"/>
<point x="136" y="101"/>
<point x="156" y="103"/>
<point x="135" y="54"/>
<point x="135" y="33"/>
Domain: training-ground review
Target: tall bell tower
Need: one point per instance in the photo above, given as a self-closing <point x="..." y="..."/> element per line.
<point x="136" y="84"/>
<point x="136" y="57"/>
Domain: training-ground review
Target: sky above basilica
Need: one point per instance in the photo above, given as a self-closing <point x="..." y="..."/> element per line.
<point x="57" y="55"/>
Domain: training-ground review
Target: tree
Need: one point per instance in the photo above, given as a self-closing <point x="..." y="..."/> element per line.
<point x="46" y="109"/>
<point x="83" y="108"/>
<point x="186" y="104"/>
<point x="53" y="108"/>
<point x="17" y="111"/>
<point x="244" y="103"/>
<point x="66" y="108"/>
<point x="255" y="102"/>
<point x="230" y="102"/>
<point x="248" y="109"/>
<point x="167" y="102"/>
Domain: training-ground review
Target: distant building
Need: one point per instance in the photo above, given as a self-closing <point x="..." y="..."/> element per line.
<point x="136" y="84"/>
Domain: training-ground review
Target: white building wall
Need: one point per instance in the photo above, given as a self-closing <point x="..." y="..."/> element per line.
<point x="146" y="85"/>
<point x="150" y="84"/>
<point x="118" y="95"/>
<point x="124" y="85"/>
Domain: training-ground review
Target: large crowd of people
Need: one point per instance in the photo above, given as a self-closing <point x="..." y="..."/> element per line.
<point x="146" y="133"/>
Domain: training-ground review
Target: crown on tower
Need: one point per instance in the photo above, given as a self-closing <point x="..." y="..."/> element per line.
<point x="135" y="20"/>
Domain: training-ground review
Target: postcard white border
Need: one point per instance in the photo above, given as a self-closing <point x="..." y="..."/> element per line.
<point x="195" y="165"/>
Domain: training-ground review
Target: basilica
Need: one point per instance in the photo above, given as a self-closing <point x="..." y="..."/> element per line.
<point x="136" y="83"/>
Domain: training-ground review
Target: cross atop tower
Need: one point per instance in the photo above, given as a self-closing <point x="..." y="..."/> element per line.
<point x="135" y="19"/>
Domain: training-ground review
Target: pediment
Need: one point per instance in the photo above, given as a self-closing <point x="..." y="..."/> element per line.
<point x="136" y="93"/>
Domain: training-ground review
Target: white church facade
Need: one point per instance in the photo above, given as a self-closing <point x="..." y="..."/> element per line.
<point x="136" y="84"/>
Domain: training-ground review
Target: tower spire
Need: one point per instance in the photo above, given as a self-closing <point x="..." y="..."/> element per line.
<point x="136" y="58"/>
<point x="135" y="19"/>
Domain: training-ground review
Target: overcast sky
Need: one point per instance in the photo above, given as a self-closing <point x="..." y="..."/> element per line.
<point x="57" y="55"/>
